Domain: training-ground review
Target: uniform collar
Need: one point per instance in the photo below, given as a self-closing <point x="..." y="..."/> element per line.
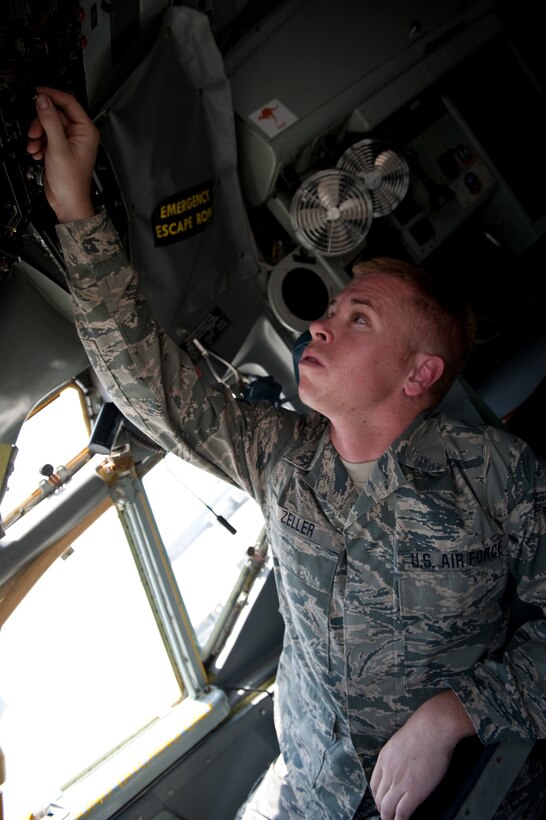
<point x="420" y="447"/>
<point x="323" y="471"/>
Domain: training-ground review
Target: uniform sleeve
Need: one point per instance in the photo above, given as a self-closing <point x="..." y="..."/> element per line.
<point x="153" y="382"/>
<point x="505" y="696"/>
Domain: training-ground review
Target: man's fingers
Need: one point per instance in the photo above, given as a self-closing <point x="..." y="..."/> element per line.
<point x="68" y="107"/>
<point x="405" y="808"/>
<point x="386" y="802"/>
<point x="36" y="139"/>
<point x="36" y="130"/>
<point x="396" y="804"/>
<point x="375" y="779"/>
<point x="378" y="788"/>
<point x="50" y="120"/>
<point x="36" y="135"/>
<point x="36" y="148"/>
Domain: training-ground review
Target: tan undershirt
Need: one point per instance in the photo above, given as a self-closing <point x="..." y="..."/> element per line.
<point x="359" y="472"/>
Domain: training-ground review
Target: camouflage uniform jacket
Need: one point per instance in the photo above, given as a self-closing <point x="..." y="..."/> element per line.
<point x="389" y="596"/>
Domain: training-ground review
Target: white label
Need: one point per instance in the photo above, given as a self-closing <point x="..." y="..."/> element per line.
<point x="273" y="118"/>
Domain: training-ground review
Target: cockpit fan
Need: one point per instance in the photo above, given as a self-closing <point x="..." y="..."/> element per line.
<point x="331" y="212"/>
<point x="382" y="168"/>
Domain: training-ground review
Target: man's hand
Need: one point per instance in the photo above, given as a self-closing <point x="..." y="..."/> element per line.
<point x="414" y="761"/>
<point x="63" y="136"/>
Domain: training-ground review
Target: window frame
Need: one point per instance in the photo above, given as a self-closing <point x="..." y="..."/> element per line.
<point x="169" y="736"/>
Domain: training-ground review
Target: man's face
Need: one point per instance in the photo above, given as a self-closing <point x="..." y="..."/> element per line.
<point x="361" y="353"/>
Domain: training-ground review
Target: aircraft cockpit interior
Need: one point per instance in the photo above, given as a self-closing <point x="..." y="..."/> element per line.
<point x="251" y="152"/>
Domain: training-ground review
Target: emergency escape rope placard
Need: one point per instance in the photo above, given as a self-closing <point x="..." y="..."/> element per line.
<point x="183" y="215"/>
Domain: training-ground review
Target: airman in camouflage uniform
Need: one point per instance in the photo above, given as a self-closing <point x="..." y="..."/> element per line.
<point x="390" y="596"/>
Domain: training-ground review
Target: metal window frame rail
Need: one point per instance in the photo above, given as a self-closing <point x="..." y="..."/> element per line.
<point x="174" y="734"/>
<point x="135" y="513"/>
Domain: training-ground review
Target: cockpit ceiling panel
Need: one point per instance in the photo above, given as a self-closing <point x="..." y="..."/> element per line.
<point x="316" y="68"/>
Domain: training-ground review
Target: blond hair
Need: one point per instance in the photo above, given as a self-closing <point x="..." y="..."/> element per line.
<point x="447" y="326"/>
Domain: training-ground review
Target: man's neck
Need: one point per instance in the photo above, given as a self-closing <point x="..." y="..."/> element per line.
<point x="367" y="440"/>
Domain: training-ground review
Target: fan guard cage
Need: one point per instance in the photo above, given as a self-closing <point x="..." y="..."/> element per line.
<point x="382" y="168"/>
<point x="331" y="212"/>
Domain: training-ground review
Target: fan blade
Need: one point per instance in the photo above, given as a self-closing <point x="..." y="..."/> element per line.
<point x="331" y="212"/>
<point x="309" y="218"/>
<point x="358" y="159"/>
<point x="352" y="208"/>
<point x="384" y="201"/>
<point x="339" y="237"/>
<point x="389" y="162"/>
<point x="382" y="168"/>
<point x="328" y="191"/>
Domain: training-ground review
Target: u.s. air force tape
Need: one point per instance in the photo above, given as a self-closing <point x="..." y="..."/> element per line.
<point x="183" y="215"/>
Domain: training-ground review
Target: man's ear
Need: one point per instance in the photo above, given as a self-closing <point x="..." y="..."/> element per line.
<point x="426" y="372"/>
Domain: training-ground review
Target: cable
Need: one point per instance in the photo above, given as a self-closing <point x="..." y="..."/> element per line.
<point x="220" y="518"/>
<point x="206" y="354"/>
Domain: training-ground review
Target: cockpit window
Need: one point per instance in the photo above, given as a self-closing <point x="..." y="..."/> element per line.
<point x="83" y="669"/>
<point x="53" y="435"/>
<point x="192" y="509"/>
<point x="96" y="669"/>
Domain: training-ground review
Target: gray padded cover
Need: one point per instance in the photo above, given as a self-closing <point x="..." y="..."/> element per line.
<point x="169" y="133"/>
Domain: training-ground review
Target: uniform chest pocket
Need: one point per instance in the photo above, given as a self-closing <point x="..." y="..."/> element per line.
<point x="450" y="611"/>
<point x="305" y="548"/>
<point x="306" y="556"/>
